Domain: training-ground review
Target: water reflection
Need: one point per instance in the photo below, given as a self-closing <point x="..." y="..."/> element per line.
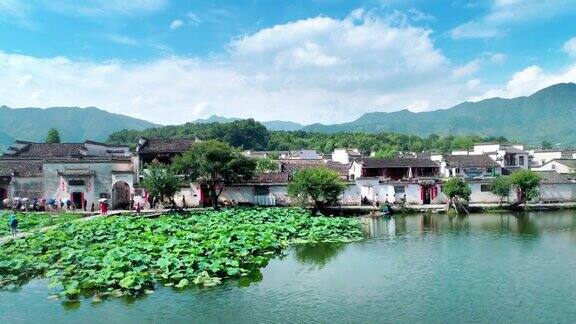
<point x="318" y="254"/>
<point x="524" y="224"/>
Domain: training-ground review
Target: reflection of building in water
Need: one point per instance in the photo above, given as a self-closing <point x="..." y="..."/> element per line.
<point x="391" y="226"/>
<point x="428" y="223"/>
<point x="400" y="222"/>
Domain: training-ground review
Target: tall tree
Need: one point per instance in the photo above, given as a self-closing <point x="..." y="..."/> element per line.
<point x="318" y="185"/>
<point x="527" y="182"/>
<point x="161" y="181"/>
<point x="53" y="136"/>
<point x="455" y="189"/>
<point x="215" y="165"/>
<point x="500" y="186"/>
<point x="546" y="145"/>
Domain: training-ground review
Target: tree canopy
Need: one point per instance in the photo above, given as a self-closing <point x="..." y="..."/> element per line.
<point x="264" y="165"/>
<point x="500" y="186"/>
<point x="456" y="187"/>
<point x="161" y="181"/>
<point x="215" y="165"/>
<point x="246" y="134"/>
<point x="528" y="182"/>
<point x="318" y="185"/>
<point x="249" y="134"/>
<point x="53" y="136"/>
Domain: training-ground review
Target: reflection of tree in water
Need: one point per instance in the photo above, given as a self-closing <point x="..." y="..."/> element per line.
<point x="253" y="276"/>
<point x="525" y="225"/>
<point x="459" y="223"/>
<point x="318" y="254"/>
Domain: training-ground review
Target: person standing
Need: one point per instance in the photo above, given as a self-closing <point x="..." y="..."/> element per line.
<point x="138" y="208"/>
<point x="131" y="204"/>
<point x="85" y="204"/>
<point x="92" y="208"/>
<point x="13" y="222"/>
<point x="183" y="201"/>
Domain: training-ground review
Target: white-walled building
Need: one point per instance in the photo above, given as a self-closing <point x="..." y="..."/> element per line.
<point x="80" y="172"/>
<point x="564" y="166"/>
<point x="345" y="155"/>
<point x="510" y="157"/>
<point x="469" y="166"/>
<point x="541" y="157"/>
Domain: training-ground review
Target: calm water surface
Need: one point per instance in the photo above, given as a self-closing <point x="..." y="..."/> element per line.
<point x="415" y="269"/>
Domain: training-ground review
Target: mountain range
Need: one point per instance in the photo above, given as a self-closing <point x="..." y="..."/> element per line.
<point x="274" y="125"/>
<point x="545" y="115"/>
<point x="74" y="124"/>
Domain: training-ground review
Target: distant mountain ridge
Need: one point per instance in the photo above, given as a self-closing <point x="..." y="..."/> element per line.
<point x="548" y="114"/>
<point x="74" y="124"/>
<point x="274" y="125"/>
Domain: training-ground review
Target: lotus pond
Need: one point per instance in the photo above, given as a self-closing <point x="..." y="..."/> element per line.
<point x="128" y="256"/>
<point x="28" y="222"/>
<point x="483" y="268"/>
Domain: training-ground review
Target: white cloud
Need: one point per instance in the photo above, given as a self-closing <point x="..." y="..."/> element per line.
<point x="193" y="19"/>
<point x="505" y="13"/>
<point x="497" y="58"/>
<point x="121" y="39"/>
<point x="313" y="70"/>
<point x="570" y="47"/>
<point x="467" y="69"/>
<point x="176" y="24"/>
<point x="16" y="11"/>
<point x="528" y="81"/>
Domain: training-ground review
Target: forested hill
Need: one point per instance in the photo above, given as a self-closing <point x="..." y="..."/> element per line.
<point x="547" y="115"/>
<point x="249" y="134"/>
<point x="73" y="124"/>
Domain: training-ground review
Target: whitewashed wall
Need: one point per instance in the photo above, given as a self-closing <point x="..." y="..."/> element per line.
<point x="564" y="192"/>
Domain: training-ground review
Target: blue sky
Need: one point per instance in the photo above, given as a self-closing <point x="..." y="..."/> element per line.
<point x="310" y="61"/>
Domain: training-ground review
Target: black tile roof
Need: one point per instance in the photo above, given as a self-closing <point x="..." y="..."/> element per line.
<point x="552" y="177"/>
<point x="373" y="163"/>
<point x="20" y="167"/>
<point x="469" y="161"/>
<point x="44" y="150"/>
<point x="156" y="145"/>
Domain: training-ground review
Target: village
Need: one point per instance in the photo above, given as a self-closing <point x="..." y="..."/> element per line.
<point x="85" y="173"/>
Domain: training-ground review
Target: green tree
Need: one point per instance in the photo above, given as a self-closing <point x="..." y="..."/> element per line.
<point x="455" y="189"/>
<point x="500" y="186"/>
<point x="267" y="165"/>
<point x="215" y="165"/>
<point x="318" y="185"/>
<point x="161" y="181"/>
<point x="528" y="182"/>
<point x="387" y="154"/>
<point x="546" y="145"/>
<point x="53" y="136"/>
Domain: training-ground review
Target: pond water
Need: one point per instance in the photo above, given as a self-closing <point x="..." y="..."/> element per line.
<point x="416" y="269"/>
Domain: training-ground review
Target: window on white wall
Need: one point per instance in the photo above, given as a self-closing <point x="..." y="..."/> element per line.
<point x="399" y="189"/>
